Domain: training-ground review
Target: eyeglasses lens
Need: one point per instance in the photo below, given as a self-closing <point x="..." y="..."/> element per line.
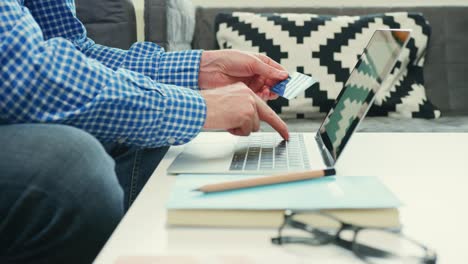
<point x="381" y="246"/>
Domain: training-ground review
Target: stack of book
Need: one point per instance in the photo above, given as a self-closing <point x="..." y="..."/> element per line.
<point x="360" y="200"/>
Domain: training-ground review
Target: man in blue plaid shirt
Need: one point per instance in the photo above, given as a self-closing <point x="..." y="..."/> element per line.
<point x="84" y="125"/>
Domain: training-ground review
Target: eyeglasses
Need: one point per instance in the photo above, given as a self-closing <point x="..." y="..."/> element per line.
<point x="372" y="245"/>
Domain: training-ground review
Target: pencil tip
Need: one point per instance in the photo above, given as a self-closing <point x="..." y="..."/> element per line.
<point x="196" y="190"/>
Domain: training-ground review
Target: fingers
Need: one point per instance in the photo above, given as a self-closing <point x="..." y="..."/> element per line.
<point x="248" y="116"/>
<point x="269" y="61"/>
<point x="267" y="71"/>
<point x="246" y="128"/>
<point x="266" y="94"/>
<point x="257" y="83"/>
<point x="272" y="95"/>
<point x="271" y="81"/>
<point x="266" y="114"/>
<point x="235" y="131"/>
<point x="247" y="109"/>
<point x="255" y="121"/>
<point x="251" y="124"/>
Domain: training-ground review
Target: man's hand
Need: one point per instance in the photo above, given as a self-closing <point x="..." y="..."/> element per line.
<point x="237" y="109"/>
<point x="224" y="67"/>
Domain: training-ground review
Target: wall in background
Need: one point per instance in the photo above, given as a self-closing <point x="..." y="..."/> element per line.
<point x="328" y="2"/>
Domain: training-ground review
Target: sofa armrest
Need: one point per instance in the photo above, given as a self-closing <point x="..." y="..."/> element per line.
<point x="170" y="23"/>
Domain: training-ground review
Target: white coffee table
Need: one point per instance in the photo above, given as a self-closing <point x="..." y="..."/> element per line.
<point x="427" y="171"/>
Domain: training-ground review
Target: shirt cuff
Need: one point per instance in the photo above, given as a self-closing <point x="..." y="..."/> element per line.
<point x="180" y="68"/>
<point x="184" y="117"/>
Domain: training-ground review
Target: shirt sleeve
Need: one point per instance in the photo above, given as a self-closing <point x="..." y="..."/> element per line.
<point x="50" y="81"/>
<point x="57" y="18"/>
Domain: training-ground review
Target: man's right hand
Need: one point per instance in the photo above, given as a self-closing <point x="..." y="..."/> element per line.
<point x="237" y="109"/>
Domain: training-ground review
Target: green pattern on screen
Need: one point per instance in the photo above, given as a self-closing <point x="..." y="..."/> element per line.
<point x="368" y="68"/>
<point x="352" y="93"/>
<point x="365" y="80"/>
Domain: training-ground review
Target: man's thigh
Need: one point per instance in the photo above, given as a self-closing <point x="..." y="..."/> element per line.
<point x="30" y="153"/>
<point x="59" y="195"/>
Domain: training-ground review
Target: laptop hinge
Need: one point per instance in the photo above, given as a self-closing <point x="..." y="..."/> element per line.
<point x="326" y="156"/>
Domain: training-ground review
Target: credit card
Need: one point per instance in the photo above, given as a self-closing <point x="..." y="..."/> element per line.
<point x="293" y="85"/>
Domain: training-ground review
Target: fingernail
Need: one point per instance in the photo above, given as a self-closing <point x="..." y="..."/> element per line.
<point x="284" y="74"/>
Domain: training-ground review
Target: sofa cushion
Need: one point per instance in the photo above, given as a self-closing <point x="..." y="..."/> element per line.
<point x="170" y="23"/>
<point x="108" y="22"/>
<point x="456" y="123"/>
<point x="328" y="47"/>
<point x="445" y="75"/>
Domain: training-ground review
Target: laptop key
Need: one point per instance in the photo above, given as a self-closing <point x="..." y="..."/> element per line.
<point x="238" y="157"/>
<point x="269" y="152"/>
<point x="267" y="164"/>
<point x="236" y="166"/>
<point x="251" y="167"/>
<point x="281" y="165"/>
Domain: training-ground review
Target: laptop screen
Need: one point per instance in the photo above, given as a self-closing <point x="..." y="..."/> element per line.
<point x="355" y="99"/>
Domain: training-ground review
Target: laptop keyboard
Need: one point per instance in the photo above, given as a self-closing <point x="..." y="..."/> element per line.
<point x="270" y="152"/>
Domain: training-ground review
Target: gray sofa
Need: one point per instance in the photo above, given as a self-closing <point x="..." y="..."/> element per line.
<point x="109" y="22"/>
<point x="177" y="24"/>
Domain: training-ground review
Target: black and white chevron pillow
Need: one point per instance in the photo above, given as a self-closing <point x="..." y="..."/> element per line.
<point x="327" y="48"/>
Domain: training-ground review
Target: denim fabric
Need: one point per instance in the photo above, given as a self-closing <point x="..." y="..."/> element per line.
<point x="62" y="194"/>
<point x="134" y="166"/>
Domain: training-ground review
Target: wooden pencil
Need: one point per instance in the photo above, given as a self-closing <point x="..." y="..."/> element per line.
<point x="269" y="180"/>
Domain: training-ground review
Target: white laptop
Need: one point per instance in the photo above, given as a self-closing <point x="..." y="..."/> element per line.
<point x="268" y="153"/>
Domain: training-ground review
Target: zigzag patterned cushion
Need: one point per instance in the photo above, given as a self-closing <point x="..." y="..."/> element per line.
<point x="328" y="47"/>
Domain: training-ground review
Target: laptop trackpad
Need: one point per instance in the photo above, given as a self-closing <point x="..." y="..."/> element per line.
<point x="203" y="151"/>
<point x="203" y="158"/>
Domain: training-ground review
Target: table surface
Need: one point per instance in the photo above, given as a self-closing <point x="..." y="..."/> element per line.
<point x="427" y="171"/>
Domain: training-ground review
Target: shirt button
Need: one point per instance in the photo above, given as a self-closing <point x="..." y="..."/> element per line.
<point x="171" y="140"/>
<point x="121" y="140"/>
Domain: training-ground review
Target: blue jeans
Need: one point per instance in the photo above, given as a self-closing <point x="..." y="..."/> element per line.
<point x="62" y="193"/>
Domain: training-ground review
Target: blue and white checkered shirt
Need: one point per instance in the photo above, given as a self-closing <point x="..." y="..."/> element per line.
<point x="52" y="73"/>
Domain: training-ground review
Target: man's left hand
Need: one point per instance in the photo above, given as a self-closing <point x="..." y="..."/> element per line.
<point x="224" y="67"/>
